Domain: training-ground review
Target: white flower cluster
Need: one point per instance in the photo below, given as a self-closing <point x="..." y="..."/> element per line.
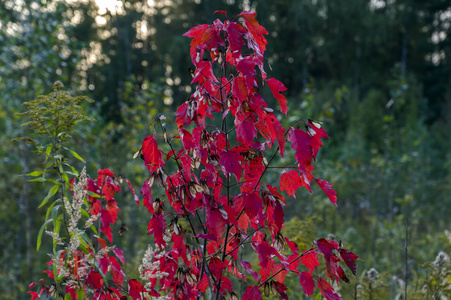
<point x="372" y="274"/>
<point x="150" y="267"/>
<point x="441" y="259"/>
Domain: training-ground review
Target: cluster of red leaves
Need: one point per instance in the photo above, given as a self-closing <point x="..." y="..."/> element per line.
<point x="229" y="73"/>
<point x="85" y="267"/>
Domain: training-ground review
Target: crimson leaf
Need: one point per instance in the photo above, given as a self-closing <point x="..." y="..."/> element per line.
<point x="307" y="283"/>
<point x="290" y="182"/>
<point x="276" y="87"/>
<point x="327" y="188"/>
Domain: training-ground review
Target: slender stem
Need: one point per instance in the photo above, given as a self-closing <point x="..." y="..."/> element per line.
<point x="283" y="268"/>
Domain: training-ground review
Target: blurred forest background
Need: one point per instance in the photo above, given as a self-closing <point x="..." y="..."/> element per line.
<point x="377" y="73"/>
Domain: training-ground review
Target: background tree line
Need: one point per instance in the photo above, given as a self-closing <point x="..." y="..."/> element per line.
<point x="376" y="73"/>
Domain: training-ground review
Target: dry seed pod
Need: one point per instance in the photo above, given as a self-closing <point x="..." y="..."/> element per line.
<point x="266" y="289"/>
<point x="233" y="296"/>
<point x="273" y="288"/>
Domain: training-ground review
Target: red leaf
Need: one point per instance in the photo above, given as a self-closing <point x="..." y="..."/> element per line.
<point x="300" y="143"/>
<point x="222" y="12"/>
<point x="235" y="35"/>
<point x="239" y="88"/>
<point x="34" y="295"/>
<point x="247" y="266"/>
<point x="216" y="221"/>
<point x="252" y="293"/>
<point x="326" y="290"/>
<point x="256" y="32"/>
<point x="151" y="154"/>
<point x="203" y="284"/>
<point x="265" y="251"/>
<point x="226" y="285"/>
<point x="307" y="283"/>
<point x="231" y="161"/>
<point x="276" y="87"/>
<point x="216" y="267"/>
<point x="246" y="65"/>
<point x="325" y="248"/>
<point x="183" y="115"/>
<point x="310" y="260"/>
<point x="116" y="272"/>
<point x="147" y="193"/>
<point x="204" y="72"/>
<point x="196" y="31"/>
<point x="208" y="236"/>
<point x="280" y="134"/>
<point x="135" y="289"/>
<point x="290" y="182"/>
<point x="135" y="197"/>
<point x="156" y="226"/>
<point x="292" y="245"/>
<point x="327" y="188"/>
<point x="94" y="279"/>
<point x="349" y="258"/>
<point x="119" y="254"/>
<point x="246" y="133"/>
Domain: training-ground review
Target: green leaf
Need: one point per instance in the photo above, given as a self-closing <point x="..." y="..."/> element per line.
<point x="87" y="215"/>
<point x="92" y="194"/>
<point x="35" y="173"/>
<point x="40" y="179"/>
<point x="75" y="154"/>
<point x="41" y="231"/>
<point x="51" y="193"/>
<point x="49" y="165"/>
<point x="54" y="212"/>
<point x="50" y="209"/>
<point x="65" y="177"/>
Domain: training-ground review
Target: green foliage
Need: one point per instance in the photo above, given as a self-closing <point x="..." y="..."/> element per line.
<point x="54" y="116"/>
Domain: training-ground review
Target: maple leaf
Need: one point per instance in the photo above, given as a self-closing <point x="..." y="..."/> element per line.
<point x="231" y="161"/>
<point x="156" y="226"/>
<point x="183" y="115"/>
<point x="327" y="290"/>
<point x="147" y="193"/>
<point x="216" y="266"/>
<point x="276" y="87"/>
<point x="307" y="283"/>
<point x="256" y="31"/>
<point x="119" y="253"/>
<point x="290" y="182"/>
<point x="151" y="154"/>
<point x="246" y="133"/>
<point x="235" y="36"/>
<point x="327" y="188"/>
<point x="135" y="289"/>
<point x="292" y="245"/>
<point x="216" y="222"/>
<point x="325" y="248"/>
<point x="247" y="266"/>
<point x="203" y="284"/>
<point x="349" y="258"/>
<point x="94" y="279"/>
<point x="196" y="31"/>
<point x="204" y="73"/>
<point x="280" y="134"/>
<point x="300" y="143"/>
<point x="239" y="88"/>
<point x="252" y="293"/>
<point x="310" y="260"/>
<point x="106" y="220"/>
<point x="226" y="285"/>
